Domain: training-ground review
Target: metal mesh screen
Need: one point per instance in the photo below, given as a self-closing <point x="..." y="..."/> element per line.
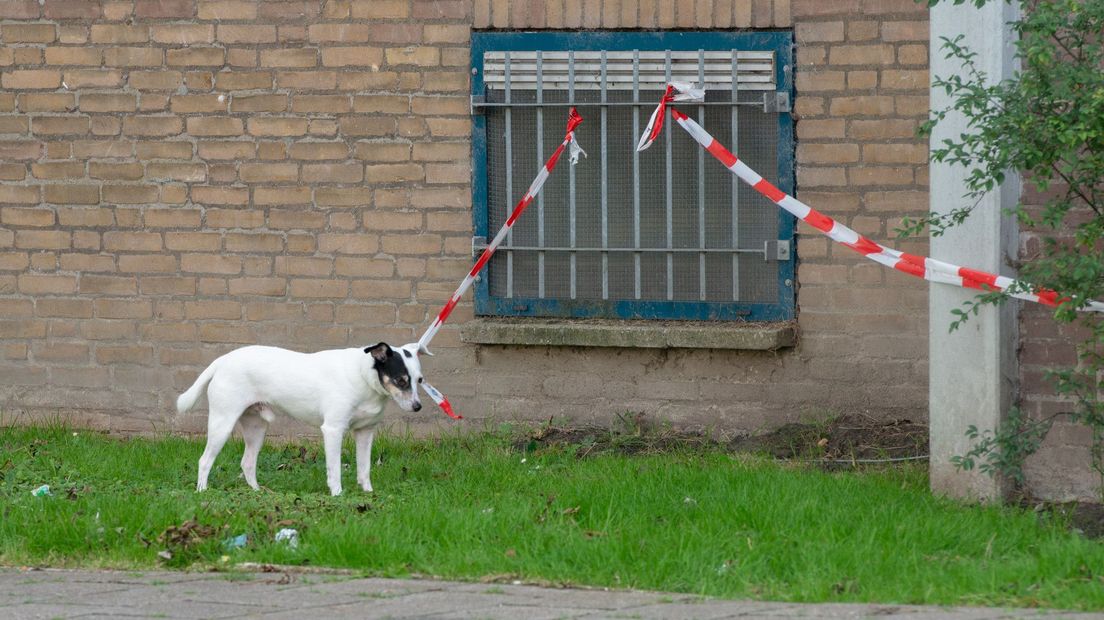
<point x="661" y="225"/>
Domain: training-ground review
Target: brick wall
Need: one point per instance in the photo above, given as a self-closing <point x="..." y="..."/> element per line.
<point x="1061" y="469"/>
<point x="180" y="177"/>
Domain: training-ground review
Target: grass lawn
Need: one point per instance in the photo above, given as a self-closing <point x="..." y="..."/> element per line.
<point x="697" y="521"/>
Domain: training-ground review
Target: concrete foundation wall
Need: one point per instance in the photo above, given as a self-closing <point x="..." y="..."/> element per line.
<point x="182" y="177"/>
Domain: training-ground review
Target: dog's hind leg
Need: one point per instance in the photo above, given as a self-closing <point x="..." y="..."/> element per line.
<point x="223" y="414"/>
<point x="332" y="434"/>
<point x="253" y="426"/>
<point x="364" y="438"/>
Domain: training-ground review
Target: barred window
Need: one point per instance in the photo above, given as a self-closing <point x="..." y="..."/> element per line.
<point x="666" y="234"/>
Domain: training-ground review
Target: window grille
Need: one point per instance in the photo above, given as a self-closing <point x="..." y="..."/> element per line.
<point x="667" y="233"/>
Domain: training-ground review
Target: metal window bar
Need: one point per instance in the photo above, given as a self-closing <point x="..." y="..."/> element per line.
<point x="605" y="188"/>
<point x="701" y="187"/>
<point x="571" y="175"/>
<point x="675" y="235"/>
<point x="735" y="184"/>
<point x="509" y="179"/>
<point x="670" y="191"/>
<point x="540" y="162"/>
<point x="636" y="173"/>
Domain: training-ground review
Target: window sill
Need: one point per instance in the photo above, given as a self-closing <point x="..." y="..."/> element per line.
<point x="631" y="334"/>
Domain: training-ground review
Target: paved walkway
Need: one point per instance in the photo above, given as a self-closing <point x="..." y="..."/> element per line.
<point x="158" y="594"/>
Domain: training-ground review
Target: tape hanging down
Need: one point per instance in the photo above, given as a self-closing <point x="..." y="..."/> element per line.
<point x="919" y="266"/>
<point x="574" y="150"/>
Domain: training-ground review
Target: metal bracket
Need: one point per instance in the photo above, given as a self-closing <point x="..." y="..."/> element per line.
<point x="776" y="250"/>
<point x="477" y="104"/>
<point x="478" y="245"/>
<point x="776" y="102"/>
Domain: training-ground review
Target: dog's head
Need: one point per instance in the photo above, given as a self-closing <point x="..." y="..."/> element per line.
<point x="399" y="373"/>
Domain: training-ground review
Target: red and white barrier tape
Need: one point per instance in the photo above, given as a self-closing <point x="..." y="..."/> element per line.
<point x="919" y="266"/>
<point x="574" y="150"/>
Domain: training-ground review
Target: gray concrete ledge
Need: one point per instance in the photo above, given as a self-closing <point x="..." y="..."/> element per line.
<point x="632" y="334"/>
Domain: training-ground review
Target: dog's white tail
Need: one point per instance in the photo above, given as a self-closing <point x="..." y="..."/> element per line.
<point x="188" y="399"/>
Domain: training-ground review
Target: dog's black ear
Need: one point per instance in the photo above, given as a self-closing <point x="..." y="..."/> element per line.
<point x="380" y="352"/>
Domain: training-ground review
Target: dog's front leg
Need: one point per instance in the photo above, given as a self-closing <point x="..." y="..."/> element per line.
<point x="364" y="438"/>
<point x="331" y="438"/>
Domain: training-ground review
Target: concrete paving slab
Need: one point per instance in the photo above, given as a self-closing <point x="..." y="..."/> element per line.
<point x="272" y="596"/>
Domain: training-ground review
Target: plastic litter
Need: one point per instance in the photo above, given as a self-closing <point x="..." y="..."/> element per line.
<point x="42" y="491"/>
<point x="290" y="536"/>
<point x="236" y="542"/>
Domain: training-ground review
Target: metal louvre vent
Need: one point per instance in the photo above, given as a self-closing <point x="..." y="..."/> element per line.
<point x="754" y="70"/>
<point x="669" y="225"/>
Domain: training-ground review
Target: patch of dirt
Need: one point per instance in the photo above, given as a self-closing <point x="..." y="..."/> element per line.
<point x="1084" y="518"/>
<point x="846" y="438"/>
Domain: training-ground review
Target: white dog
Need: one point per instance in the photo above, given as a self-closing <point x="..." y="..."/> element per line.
<point x="339" y="390"/>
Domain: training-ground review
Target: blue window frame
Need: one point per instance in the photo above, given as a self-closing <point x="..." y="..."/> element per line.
<point x="666" y="234"/>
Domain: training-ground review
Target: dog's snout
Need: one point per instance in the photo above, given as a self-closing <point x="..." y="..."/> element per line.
<point x="417" y="406"/>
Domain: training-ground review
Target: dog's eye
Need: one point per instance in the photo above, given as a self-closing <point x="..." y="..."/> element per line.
<point x="421" y="380"/>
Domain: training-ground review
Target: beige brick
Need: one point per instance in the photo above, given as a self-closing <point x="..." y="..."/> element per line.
<point x="24" y="217"/>
<point x="232" y="218"/>
<point x="352" y="57"/>
<point x="210" y="263"/>
<point x="190" y="173"/>
<point x="337" y="243"/>
<point x="913" y="30"/>
<point x="877" y="54"/>
<point x="319" y="150"/>
<point x="86" y="240"/>
<point x="227" y="150"/>
<point x="29" y="79"/>
<point x="315" y="288"/>
<point x="152" y="125"/>
<point x="897" y="79"/>
<point x="364" y="267"/>
<point x="253" y="242"/>
<point x="895" y="153"/>
<point x="59" y="125"/>
<point x="193" y="241"/>
<point x="13" y="172"/>
<point x="47" y="102"/>
<point x="912" y="54"/>
<point x="29" y="33"/>
<point x="862" y="106"/>
<point x="277" y="126"/>
<point x="58" y="170"/>
<point x="276" y="173"/>
<point x="132" y="241"/>
<point x="898" y="201"/>
<point x="880" y="175"/>
<point x="882" y="129"/>
<point x="290" y="58"/>
<point x="147" y="263"/>
<point x="393" y="173"/>
<point x="383" y="151"/>
<point x="71" y="194"/>
<point x="73" y="56"/>
<point x="421" y="56"/>
<point x="227" y="9"/>
<point x="42" y="239"/>
<point x="129" y="194"/>
<point x="270" y="287"/>
<point x="375" y="290"/>
<point x="282" y="196"/>
<point x="333" y="173"/>
<point x="215" y="126"/>
<point x="196" y="57"/>
<point x="156" y="217"/>
<point x="304" y="266"/>
<point x="33" y="284"/>
<point x="13" y="261"/>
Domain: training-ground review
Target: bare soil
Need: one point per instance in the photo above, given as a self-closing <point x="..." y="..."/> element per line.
<point x="846" y="439"/>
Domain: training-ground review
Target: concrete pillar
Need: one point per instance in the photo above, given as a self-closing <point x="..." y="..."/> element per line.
<point x="972" y="371"/>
